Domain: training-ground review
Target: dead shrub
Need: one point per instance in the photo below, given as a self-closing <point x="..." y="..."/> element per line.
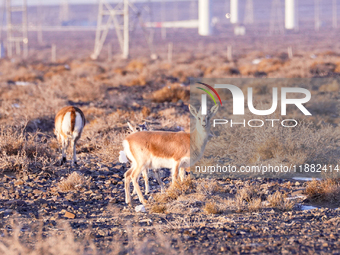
<point x="322" y="68"/>
<point x="247" y="69"/>
<point x="135" y="65"/>
<point x="327" y="190"/>
<point x="172" y="93"/>
<point x="212" y="208"/>
<point x="158" y="208"/>
<point x="247" y="193"/>
<point x="73" y="182"/>
<point x="19" y="149"/>
<point x="280" y="201"/>
<point x="270" y="148"/>
<point x="84" y="90"/>
<point x="139" y="81"/>
<point x="208" y="187"/>
<point x="54" y="70"/>
<point x="269" y="65"/>
<point x="146" y="111"/>
<point x="177" y="189"/>
<point x="120" y="71"/>
<point x="255" y="205"/>
<point x="337" y="69"/>
<point x="331" y="87"/>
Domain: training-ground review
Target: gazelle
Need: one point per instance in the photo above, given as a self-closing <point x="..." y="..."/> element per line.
<point x="145" y="172"/>
<point x="157" y="149"/>
<point x="69" y="124"/>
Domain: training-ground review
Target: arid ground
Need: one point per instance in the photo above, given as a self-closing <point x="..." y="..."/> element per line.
<point x="46" y="208"/>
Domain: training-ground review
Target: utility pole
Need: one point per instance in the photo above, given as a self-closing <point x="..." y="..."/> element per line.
<point x="64" y="11"/>
<point x="249" y="12"/>
<point x="126" y="30"/>
<point x="40" y="21"/>
<point x="317" y="15"/>
<point x="276" y="18"/>
<point x="335" y="14"/>
<point x="17" y="33"/>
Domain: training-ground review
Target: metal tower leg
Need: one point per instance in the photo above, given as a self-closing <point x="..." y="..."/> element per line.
<point x="17" y="33"/>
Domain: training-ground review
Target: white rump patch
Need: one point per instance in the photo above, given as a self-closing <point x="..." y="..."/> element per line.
<point x="78" y="126"/>
<point x="122" y="157"/>
<point x="66" y="125"/>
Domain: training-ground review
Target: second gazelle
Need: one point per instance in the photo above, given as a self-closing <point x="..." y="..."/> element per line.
<point x="161" y="149"/>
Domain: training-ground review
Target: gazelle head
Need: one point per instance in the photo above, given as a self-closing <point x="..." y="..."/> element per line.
<point x="203" y="121"/>
<point x="138" y="128"/>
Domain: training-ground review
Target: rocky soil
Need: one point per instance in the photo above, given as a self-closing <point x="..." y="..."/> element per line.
<point x="96" y="209"/>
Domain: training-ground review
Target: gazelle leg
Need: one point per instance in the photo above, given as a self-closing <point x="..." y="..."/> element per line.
<point x="134" y="192"/>
<point x="175" y="172"/>
<point x="182" y="173"/>
<point x="146" y="180"/>
<point x="158" y="178"/>
<point x="127" y="179"/>
<point x="134" y="178"/>
<point x="74" y="159"/>
<point x="64" y="145"/>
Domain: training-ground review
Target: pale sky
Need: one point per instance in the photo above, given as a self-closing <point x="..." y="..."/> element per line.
<point x="57" y="2"/>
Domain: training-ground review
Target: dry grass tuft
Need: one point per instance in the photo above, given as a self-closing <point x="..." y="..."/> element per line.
<point x="146" y="111"/>
<point x="135" y="65"/>
<point x="331" y="87"/>
<point x="269" y="65"/>
<point x="158" y="208"/>
<point x="280" y="201"/>
<point x="270" y="149"/>
<point x="19" y="149"/>
<point x="138" y="81"/>
<point x="172" y="93"/>
<point x="73" y="182"/>
<point x="212" y="208"/>
<point x="175" y="190"/>
<point x="208" y="187"/>
<point x="255" y="205"/>
<point x="327" y="190"/>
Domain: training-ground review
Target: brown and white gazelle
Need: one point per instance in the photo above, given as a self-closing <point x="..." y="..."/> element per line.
<point x="69" y="124"/>
<point x="145" y="172"/>
<point x="157" y="149"/>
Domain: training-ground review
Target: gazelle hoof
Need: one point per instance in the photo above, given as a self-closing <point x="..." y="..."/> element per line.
<point x="62" y="161"/>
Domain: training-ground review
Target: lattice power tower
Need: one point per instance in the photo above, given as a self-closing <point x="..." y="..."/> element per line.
<point x="17" y="33"/>
<point x="108" y="17"/>
<point x="117" y="17"/>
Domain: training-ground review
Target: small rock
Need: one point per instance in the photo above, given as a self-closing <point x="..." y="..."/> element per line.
<point x="69" y="215"/>
<point x="140" y="208"/>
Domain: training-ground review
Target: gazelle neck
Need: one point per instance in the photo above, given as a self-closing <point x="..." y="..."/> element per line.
<point x="198" y="141"/>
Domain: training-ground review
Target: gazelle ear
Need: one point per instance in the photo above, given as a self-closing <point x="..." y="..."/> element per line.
<point x="193" y="110"/>
<point x="213" y="110"/>
<point x="131" y="127"/>
<point x="146" y="125"/>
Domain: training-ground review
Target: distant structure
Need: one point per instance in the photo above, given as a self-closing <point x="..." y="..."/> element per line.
<point x="317" y="21"/>
<point x="234" y="11"/>
<point x="204" y="17"/>
<point x="249" y="12"/>
<point x="117" y="17"/>
<point x="335" y="14"/>
<point x="64" y="11"/>
<point x="17" y="33"/>
<point x="108" y="16"/>
<point x="290" y="14"/>
<point x="276" y="18"/>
